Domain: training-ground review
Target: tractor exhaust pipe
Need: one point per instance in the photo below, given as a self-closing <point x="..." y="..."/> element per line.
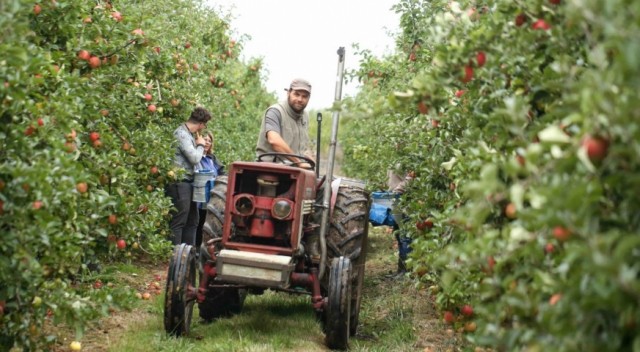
<point x="319" y="119"/>
<point x="332" y="156"/>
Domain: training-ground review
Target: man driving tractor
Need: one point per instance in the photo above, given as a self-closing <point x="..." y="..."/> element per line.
<point x="285" y="125"/>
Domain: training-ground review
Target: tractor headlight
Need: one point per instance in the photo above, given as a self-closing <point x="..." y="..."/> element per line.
<point x="281" y="209"/>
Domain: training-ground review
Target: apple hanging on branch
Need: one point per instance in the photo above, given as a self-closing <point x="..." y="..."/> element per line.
<point x="596" y="147"/>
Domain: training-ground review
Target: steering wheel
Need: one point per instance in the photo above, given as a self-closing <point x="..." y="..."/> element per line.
<point x="284" y="157"/>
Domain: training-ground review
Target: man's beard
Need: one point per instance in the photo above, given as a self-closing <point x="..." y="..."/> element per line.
<point x="294" y="107"/>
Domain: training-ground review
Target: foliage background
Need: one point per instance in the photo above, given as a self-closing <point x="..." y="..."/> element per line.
<point x="53" y="231"/>
<point x="508" y="131"/>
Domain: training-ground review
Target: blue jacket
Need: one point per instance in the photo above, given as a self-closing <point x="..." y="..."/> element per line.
<point x="211" y="163"/>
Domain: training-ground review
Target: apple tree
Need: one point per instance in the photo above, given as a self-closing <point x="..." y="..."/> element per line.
<point x="90" y="93"/>
<point x="521" y="123"/>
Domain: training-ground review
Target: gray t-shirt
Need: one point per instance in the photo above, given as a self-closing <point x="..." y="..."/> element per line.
<point x="273" y="120"/>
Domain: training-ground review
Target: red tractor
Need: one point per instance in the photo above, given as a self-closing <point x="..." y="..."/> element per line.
<point x="278" y="227"/>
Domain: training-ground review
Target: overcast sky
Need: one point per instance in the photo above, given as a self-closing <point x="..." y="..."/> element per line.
<point x="301" y="38"/>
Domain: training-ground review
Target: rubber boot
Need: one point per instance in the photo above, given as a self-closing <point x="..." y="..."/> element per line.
<point x="402" y="267"/>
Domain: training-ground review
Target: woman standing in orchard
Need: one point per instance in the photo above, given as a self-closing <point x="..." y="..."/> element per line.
<point x="208" y="162"/>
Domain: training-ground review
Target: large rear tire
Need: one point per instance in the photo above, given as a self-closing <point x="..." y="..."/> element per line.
<point x="212" y="228"/>
<point x="179" y="292"/>
<point x="348" y="236"/>
<point x="338" y="308"/>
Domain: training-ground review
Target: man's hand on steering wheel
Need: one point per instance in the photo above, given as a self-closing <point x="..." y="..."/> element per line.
<point x="303" y="161"/>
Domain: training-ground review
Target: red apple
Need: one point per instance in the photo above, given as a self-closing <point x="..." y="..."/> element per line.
<point x="94" y="62"/>
<point x="36" y="205"/>
<point x="116" y="16"/>
<point x="561" y="233"/>
<point x="97" y="143"/>
<point x="555" y="2"/>
<point x="113" y="219"/>
<point x="596" y="147"/>
<point x="104" y="112"/>
<point x="468" y="74"/>
<point x="481" y="58"/>
<point x="459" y="93"/>
<point x="40" y="122"/>
<point x="154" y="170"/>
<point x="97" y="285"/>
<point x="435" y="123"/>
<point x="94" y="136"/>
<point x="157" y="49"/>
<point x="510" y="211"/>
<point x="555" y="298"/>
<point x="70" y="147"/>
<point x="187" y="45"/>
<point x="423" y="108"/>
<point x="449" y="318"/>
<point x="84" y="55"/>
<point x="428" y="223"/>
<point x="137" y="31"/>
<point x="520" y="19"/>
<point x="121" y="244"/>
<point x="467" y="310"/>
<point x="37" y="9"/>
<point x="491" y="262"/>
<point x="420" y="225"/>
<point x="549" y="248"/>
<point x="152" y="108"/>
<point x="82" y="187"/>
<point x="412" y="56"/>
<point x="541" y="24"/>
<point x="148" y="97"/>
<point x="29" y="131"/>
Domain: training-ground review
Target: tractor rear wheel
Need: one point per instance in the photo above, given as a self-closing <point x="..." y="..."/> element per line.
<point x="212" y="228"/>
<point x="348" y="236"/>
<point x="180" y="291"/>
<point x="338" y="308"/>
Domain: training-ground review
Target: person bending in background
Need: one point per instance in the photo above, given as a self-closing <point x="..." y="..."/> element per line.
<point x="285" y="124"/>
<point x="189" y="152"/>
<point x="209" y="162"/>
<point x="398" y="185"/>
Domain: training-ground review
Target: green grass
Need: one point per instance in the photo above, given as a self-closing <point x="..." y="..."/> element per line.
<point x="270" y="322"/>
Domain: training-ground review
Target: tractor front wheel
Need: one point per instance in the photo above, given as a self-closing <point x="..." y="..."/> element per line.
<point x="338" y="307"/>
<point x="180" y="291"/>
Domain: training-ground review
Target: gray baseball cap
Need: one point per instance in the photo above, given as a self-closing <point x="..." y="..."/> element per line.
<point x="300" y="84"/>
